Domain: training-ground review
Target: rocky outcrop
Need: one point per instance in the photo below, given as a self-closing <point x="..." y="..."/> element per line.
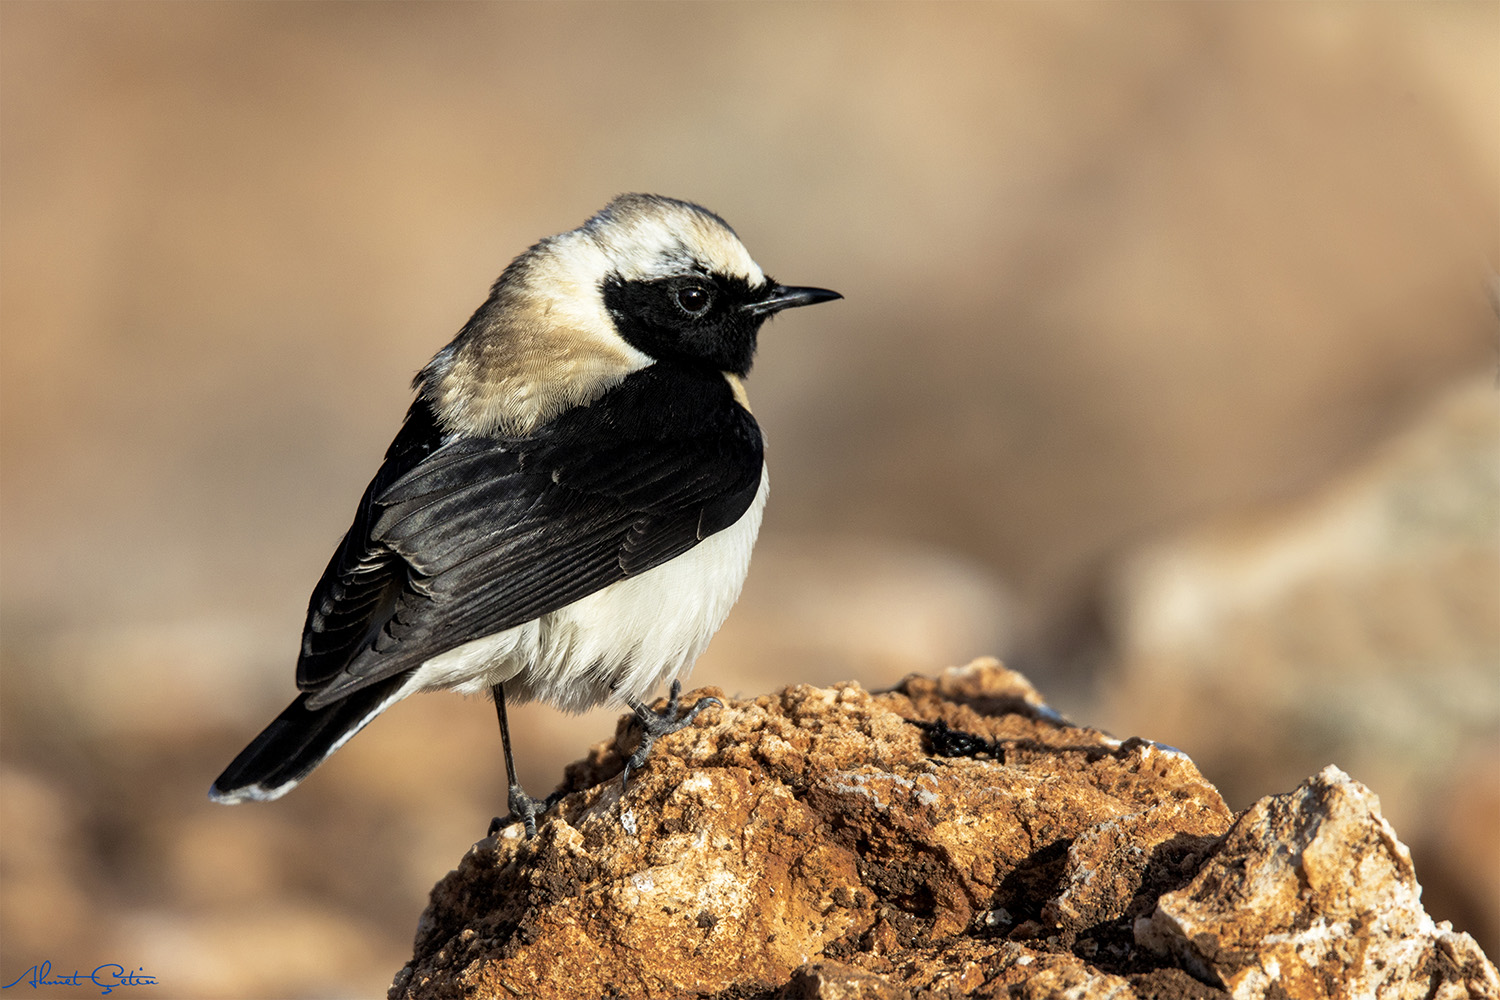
<point x="953" y="837"/>
<point x="1358" y="623"/>
<point x="1311" y="895"/>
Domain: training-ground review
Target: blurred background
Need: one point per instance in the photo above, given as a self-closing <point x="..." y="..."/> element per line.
<point x="1166" y="372"/>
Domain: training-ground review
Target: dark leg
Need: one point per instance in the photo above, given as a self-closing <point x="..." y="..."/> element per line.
<point x="522" y="806"/>
<point x="654" y="725"/>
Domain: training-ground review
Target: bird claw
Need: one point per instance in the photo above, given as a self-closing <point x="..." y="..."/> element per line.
<point x="524" y="809"/>
<point x="655" y="725"/>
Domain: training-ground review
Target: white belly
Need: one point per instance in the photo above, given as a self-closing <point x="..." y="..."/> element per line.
<point x="617" y="643"/>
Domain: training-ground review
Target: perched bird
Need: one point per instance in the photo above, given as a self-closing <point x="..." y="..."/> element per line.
<point x="568" y="509"/>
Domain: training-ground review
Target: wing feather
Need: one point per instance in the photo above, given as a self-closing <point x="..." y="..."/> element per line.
<point x="460" y="538"/>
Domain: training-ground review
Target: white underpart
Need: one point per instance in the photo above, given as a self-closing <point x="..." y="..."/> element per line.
<point x="618" y="643"/>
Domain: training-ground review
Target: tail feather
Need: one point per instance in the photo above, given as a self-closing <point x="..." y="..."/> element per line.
<point x="299" y="740"/>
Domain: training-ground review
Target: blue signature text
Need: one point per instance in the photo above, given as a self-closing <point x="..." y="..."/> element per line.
<point x="106" y="977"/>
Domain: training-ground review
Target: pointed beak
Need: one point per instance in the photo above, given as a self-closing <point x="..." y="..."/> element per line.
<point x="780" y="297"/>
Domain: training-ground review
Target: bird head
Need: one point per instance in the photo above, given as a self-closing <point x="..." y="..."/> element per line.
<point x="647" y="279"/>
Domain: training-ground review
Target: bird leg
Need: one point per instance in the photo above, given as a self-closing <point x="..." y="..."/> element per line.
<point x="657" y="724"/>
<point x="522" y="806"/>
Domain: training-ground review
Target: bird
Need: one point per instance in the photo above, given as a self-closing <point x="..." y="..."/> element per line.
<point x="567" y="512"/>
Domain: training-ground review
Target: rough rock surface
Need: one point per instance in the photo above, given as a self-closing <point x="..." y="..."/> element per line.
<point x="1310" y="894"/>
<point x="953" y="837"/>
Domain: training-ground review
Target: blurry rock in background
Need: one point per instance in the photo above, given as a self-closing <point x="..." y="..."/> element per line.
<point x="1359" y="624"/>
<point x="820" y="609"/>
<point x="1109" y="271"/>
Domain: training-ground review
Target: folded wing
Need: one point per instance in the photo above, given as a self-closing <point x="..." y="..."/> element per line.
<point x="459" y="538"/>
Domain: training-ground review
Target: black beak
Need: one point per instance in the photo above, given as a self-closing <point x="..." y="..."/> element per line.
<point x="780" y="297"/>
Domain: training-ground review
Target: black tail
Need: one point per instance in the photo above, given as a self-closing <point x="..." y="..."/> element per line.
<point x="299" y="740"/>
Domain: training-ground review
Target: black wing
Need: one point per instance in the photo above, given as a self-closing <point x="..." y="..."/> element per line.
<point x="455" y="540"/>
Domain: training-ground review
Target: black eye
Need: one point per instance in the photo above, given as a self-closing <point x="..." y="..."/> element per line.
<point x="694" y="299"/>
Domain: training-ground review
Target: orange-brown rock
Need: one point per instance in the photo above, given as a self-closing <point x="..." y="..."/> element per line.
<point x="951" y="838"/>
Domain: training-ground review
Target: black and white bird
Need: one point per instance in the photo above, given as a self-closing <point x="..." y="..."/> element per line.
<point x="568" y="510"/>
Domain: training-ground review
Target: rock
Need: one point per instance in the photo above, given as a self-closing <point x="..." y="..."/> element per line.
<point x="1311" y="895"/>
<point x="916" y="836"/>
<point x="1359" y="623"/>
<point x="953" y="837"/>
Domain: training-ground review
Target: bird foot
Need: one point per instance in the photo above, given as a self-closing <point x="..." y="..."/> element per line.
<point x="525" y="809"/>
<point x="655" y="725"/>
